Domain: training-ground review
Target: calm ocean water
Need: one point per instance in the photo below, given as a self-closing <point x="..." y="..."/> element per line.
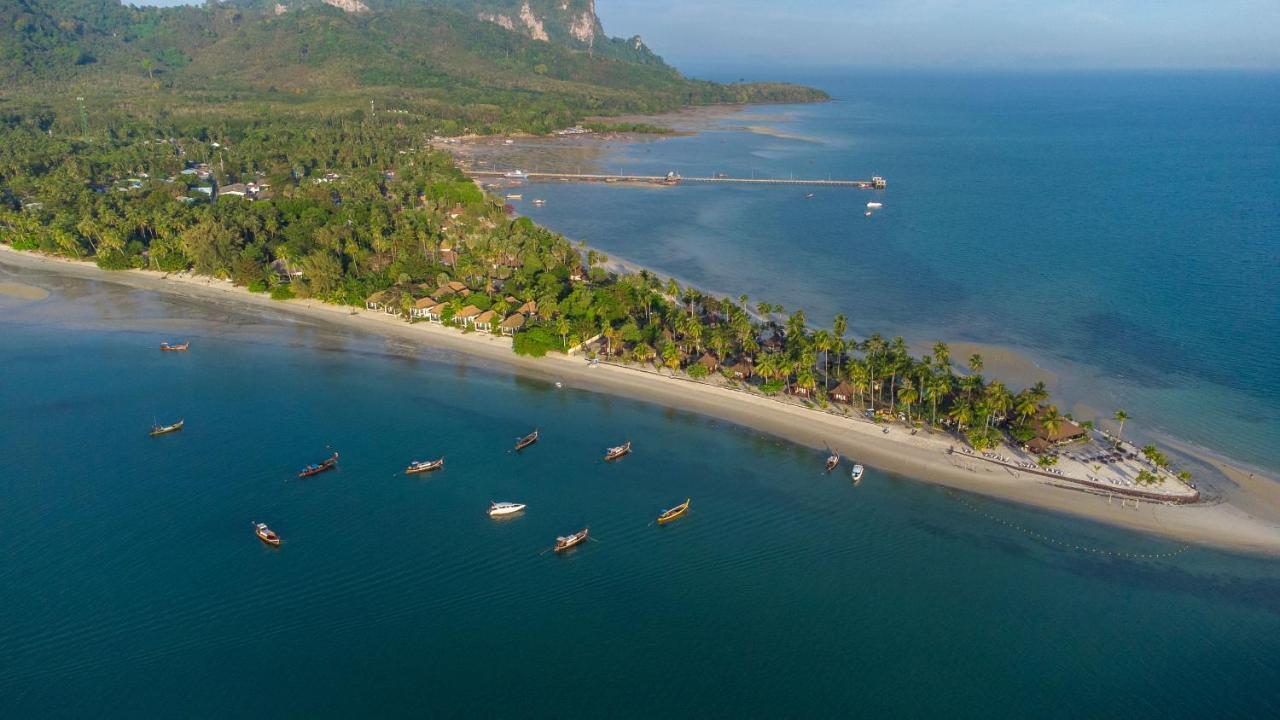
<point x="1123" y="230"/>
<point x="130" y="580"/>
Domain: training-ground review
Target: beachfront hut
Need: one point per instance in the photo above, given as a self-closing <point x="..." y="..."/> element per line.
<point x="742" y="370"/>
<point x="512" y="324"/>
<point x="484" y="321"/>
<point x="843" y="392"/>
<point x="434" y="313"/>
<point x="710" y="362"/>
<point x="420" y="308"/>
<point x="467" y="315"/>
<point x="378" y="300"/>
<point x="800" y="391"/>
<point x="529" y="308"/>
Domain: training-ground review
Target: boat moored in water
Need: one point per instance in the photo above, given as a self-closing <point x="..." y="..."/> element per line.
<point x="180" y="347"/>
<point x="266" y="534"/>
<point x="567" y="541"/>
<point x="833" y="460"/>
<point x="499" y="509"/>
<point x="328" y="464"/>
<point x="856" y="473"/>
<point x="614" y="453"/>
<point x="874" y="205"/>
<point x="673" y="513"/>
<point x="527" y="440"/>
<point x="421" y="466"/>
<point x="166" y="429"/>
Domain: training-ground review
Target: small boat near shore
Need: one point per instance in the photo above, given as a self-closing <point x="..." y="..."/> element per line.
<point x="499" y="509"/>
<point x="856" y="473"/>
<point x="166" y="429"/>
<point x="673" y="513"/>
<point x="527" y="440"/>
<point x="833" y="460"/>
<point x="874" y="205"/>
<point x="515" y="196"/>
<point x="329" y="464"/>
<point x="422" y="466"/>
<point x="565" y="542"/>
<point x="614" y="453"/>
<point x="180" y="347"/>
<point x="266" y="534"/>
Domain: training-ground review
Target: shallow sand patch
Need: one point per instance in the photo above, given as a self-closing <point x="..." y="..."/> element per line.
<point x="22" y="291"/>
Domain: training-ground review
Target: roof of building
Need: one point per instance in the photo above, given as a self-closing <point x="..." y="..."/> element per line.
<point x="486" y="316"/>
<point x="468" y="312"/>
<point x="844" y="390"/>
<point x="1067" y="430"/>
<point x="379" y="297"/>
<point x="513" y="322"/>
<point x="425" y="303"/>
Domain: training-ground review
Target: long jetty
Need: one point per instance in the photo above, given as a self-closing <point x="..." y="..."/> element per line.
<point x="875" y="182"/>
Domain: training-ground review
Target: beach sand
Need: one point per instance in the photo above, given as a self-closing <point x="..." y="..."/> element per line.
<point x="923" y="456"/>
<point x="22" y="291"/>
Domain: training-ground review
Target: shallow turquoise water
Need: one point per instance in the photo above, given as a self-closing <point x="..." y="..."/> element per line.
<point x="131" y="582"/>
<point x="1124" y="230"/>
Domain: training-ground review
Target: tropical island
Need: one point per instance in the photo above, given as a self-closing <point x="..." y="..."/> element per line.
<point x="180" y="157"/>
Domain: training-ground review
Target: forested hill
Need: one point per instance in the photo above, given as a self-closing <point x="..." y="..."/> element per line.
<point x="476" y="65"/>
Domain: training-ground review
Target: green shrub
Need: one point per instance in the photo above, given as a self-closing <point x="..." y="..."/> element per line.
<point x="283" y="292"/>
<point x="697" y="371"/>
<point x="258" y="286"/>
<point x="536" y="342"/>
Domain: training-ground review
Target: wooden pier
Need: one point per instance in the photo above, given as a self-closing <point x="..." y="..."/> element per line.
<point x="674" y="179"/>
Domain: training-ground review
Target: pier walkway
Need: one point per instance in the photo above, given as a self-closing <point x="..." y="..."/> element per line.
<point x="875" y="182"/>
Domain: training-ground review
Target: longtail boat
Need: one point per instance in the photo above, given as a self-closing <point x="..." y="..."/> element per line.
<point x="181" y="347"/>
<point x="498" y="509"/>
<point x="567" y="541"/>
<point x="166" y="429"/>
<point x="614" y="453"/>
<point x="421" y="466"/>
<point x="266" y="534"/>
<point x="673" y="513"/>
<point x="833" y="460"/>
<point x="527" y="440"/>
<point x="328" y="464"/>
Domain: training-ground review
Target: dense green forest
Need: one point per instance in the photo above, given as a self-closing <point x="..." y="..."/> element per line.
<point x="243" y="59"/>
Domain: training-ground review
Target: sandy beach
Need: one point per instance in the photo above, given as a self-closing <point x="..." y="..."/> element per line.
<point x="1240" y="523"/>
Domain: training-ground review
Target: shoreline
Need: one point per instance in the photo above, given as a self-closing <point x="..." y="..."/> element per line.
<point x="921" y="457"/>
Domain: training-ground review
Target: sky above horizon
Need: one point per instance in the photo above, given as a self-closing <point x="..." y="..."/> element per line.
<point x="754" y="35"/>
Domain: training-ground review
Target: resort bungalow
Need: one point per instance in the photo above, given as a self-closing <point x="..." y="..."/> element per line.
<point x="512" y="324"/>
<point x="378" y="300"/>
<point x="742" y="370"/>
<point x="529" y="308"/>
<point x="710" y="362"/>
<point x="842" y="393"/>
<point x="484" y="321"/>
<point x="468" y="314"/>
<point x="435" y="312"/>
<point x="420" y="308"/>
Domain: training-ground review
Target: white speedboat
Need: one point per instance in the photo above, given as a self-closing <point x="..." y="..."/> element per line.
<point x="856" y="473"/>
<point x="515" y="196"/>
<point x="515" y="174"/>
<point x="875" y="205"/>
<point x="499" y="509"/>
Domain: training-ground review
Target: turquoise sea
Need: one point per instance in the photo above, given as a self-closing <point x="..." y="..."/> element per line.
<point x="1122" y="230"/>
<point x="131" y="582"/>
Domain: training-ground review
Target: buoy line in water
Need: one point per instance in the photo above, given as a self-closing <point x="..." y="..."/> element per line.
<point x="1065" y="544"/>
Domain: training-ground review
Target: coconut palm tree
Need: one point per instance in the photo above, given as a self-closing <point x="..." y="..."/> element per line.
<point x="975" y="364"/>
<point x="1120" y="417"/>
<point x="962" y="414"/>
<point x="1025" y="405"/>
<point x="562" y="329"/>
<point x="999" y="399"/>
<point x="1051" y="420"/>
<point x="938" y="388"/>
<point x="942" y="356"/>
<point x="908" y="395"/>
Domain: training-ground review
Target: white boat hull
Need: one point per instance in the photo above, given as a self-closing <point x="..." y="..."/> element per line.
<point x="507" y="509"/>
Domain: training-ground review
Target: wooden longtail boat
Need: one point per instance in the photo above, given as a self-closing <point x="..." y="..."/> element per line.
<point x="527" y="440"/>
<point x="175" y="348"/>
<point x="673" y="513"/>
<point x="328" y="464"/>
<point x="614" y="453"/>
<point x="565" y="542"/>
<point x="833" y="460"/>
<point x="166" y="429"/>
<point x="266" y="534"/>
<point x="421" y="466"/>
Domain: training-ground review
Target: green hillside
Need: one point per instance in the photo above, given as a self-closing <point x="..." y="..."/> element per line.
<point x="452" y="60"/>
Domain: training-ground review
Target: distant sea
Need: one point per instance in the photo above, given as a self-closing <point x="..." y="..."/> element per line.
<point x="131" y="582"/>
<point x="1122" y="230"/>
